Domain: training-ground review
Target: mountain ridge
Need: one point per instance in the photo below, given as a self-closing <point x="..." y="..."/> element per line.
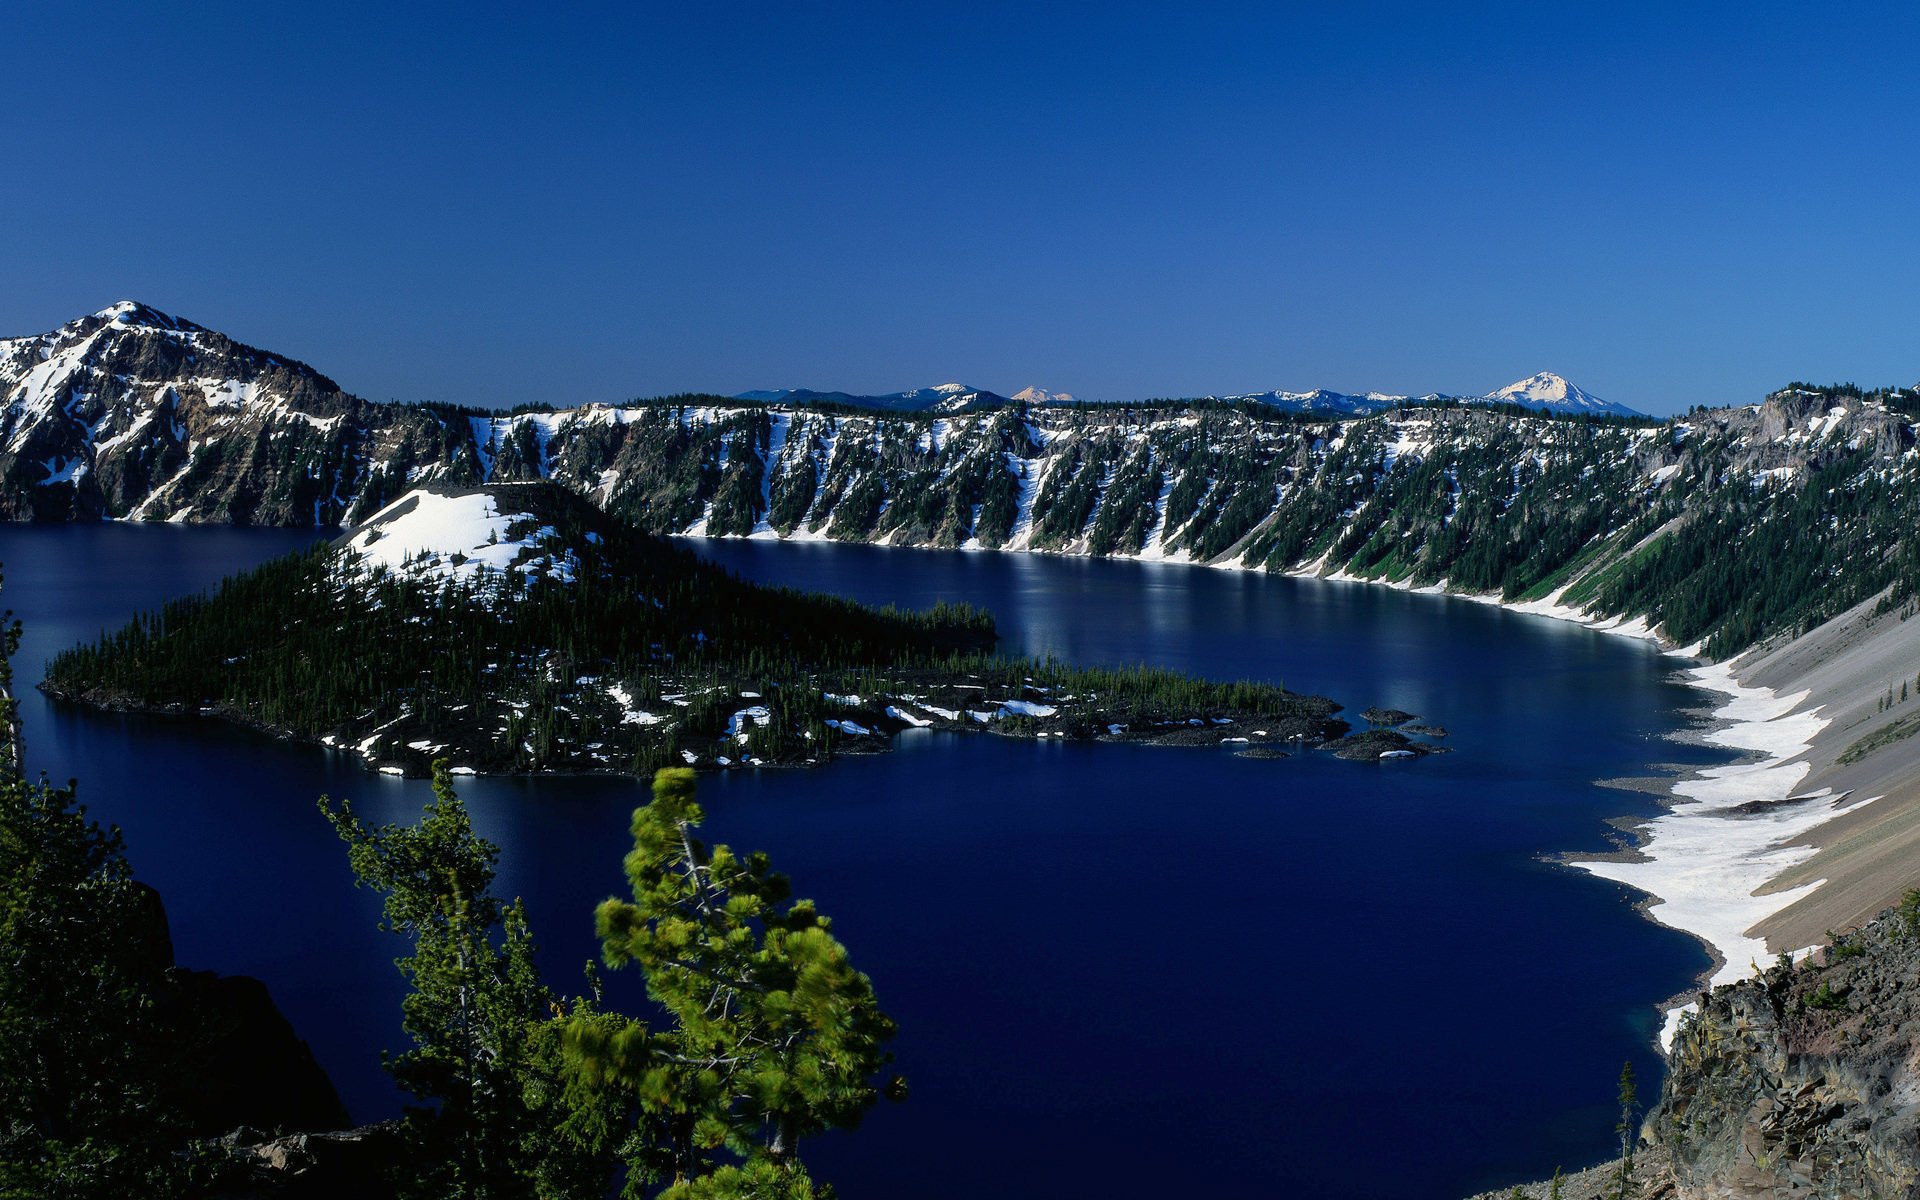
<point x="1544" y="391"/>
<point x="132" y="413"/>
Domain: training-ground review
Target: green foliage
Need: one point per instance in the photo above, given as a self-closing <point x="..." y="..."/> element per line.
<point x="775" y="1036"/>
<point x="1758" y="560"/>
<point x="1628" y="1127"/>
<point x="89" y="1105"/>
<point x="1825" y="998"/>
<point x="433" y="660"/>
<point x="1072" y="489"/>
<point x="1909" y="912"/>
<point x="1139" y="691"/>
<point x="772" y="1037"/>
<point x="1894" y="731"/>
<point x="498" y="1120"/>
<point x="85" y="1103"/>
<point x="757" y="1179"/>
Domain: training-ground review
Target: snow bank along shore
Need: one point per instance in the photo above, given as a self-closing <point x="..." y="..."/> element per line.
<point x="1729" y="830"/>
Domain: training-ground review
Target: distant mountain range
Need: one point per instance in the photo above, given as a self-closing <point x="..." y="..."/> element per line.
<point x="1545" y="392"/>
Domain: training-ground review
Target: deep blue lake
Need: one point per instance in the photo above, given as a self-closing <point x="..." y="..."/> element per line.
<point x="1116" y="969"/>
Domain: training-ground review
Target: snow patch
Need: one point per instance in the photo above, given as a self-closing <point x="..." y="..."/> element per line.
<point x="1704" y="858"/>
<point x="461" y="538"/>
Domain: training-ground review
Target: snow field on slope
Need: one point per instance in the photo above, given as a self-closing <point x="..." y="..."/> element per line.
<point x="422" y="533"/>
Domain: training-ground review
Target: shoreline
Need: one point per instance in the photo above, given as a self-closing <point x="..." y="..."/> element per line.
<point x="1702" y="866"/>
<point x="1243" y="732"/>
<point x="1726" y="832"/>
<point x="1709" y="875"/>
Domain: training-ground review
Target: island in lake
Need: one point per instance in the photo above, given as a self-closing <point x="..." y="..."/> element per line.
<point x="515" y="628"/>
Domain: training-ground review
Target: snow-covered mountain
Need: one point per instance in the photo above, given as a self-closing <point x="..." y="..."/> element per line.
<point x="1034" y="394"/>
<point x="1552" y="393"/>
<point x="132" y="412"/>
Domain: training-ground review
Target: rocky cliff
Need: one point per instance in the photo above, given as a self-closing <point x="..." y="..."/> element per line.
<point x="134" y="413"/>
<point x="1802" y="1081"/>
<point x="1728" y="524"/>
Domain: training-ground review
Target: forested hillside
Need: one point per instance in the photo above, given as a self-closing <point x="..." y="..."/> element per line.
<point x="1725" y="525"/>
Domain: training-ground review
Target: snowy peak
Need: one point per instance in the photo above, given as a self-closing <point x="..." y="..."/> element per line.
<point x="1034" y="394"/>
<point x="469" y="536"/>
<point x="1553" y="393"/>
<point x="1546" y="387"/>
<point x="132" y="312"/>
<point x="106" y="414"/>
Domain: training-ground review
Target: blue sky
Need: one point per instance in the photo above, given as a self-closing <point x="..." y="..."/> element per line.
<point x="1669" y="204"/>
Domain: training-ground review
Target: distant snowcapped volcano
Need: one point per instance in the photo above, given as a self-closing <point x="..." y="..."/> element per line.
<point x="1555" y="394"/>
<point x="1039" y="395"/>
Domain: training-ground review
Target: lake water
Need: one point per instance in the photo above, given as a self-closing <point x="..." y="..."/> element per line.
<point x="1117" y="970"/>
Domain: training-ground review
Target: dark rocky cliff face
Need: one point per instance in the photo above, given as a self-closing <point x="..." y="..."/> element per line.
<point x="238" y="1061"/>
<point x="133" y="413"/>
<point x="1801" y="1081"/>
<point x="245" y="1064"/>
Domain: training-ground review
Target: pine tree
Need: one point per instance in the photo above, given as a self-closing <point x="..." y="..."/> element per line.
<point x="1628" y="1126"/>
<point x="776" y="1037"/>
<point x="499" y="1121"/>
<point x="86" y="1106"/>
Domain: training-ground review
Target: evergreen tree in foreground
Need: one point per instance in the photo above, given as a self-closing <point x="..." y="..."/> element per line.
<point x="499" y="1121"/>
<point x="776" y="1037"/>
<point x="86" y="1109"/>
<point x="1628" y="1127"/>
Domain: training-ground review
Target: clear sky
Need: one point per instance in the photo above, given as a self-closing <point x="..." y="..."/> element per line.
<point x="1667" y="203"/>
